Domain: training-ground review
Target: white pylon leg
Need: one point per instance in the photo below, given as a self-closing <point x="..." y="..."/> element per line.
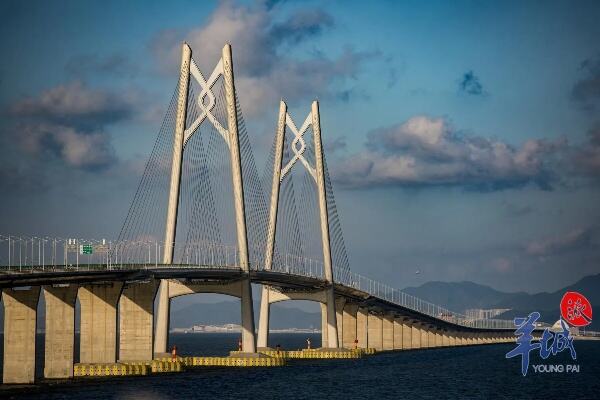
<point x="263" y="319"/>
<point x="332" y="335"/>
<point x="162" y="322"/>
<point x="263" y="323"/>
<point x="248" y="334"/>
<point x="162" y="317"/>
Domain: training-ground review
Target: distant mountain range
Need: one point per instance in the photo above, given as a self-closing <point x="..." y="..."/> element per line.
<point x="459" y="296"/>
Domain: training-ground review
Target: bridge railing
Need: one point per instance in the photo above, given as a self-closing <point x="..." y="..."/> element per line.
<point x="22" y="254"/>
<point x="403" y="299"/>
<point x="32" y="253"/>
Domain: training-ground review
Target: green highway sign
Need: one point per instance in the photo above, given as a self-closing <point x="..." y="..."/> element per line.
<point x="86" y="249"/>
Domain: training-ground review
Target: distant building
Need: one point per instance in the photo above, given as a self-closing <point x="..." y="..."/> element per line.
<point x="478" y="313"/>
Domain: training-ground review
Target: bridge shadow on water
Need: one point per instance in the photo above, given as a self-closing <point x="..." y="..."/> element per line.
<point x="475" y="372"/>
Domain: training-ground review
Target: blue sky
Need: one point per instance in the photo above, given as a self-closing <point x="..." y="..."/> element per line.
<point x="463" y="138"/>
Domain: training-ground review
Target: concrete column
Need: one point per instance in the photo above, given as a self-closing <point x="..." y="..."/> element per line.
<point x="324" y="327"/>
<point x="263" y="319"/>
<point x="161" y="338"/>
<point x="397" y="328"/>
<point x="247" y="309"/>
<point x="388" y="332"/>
<point x="60" y="331"/>
<point x="20" y="312"/>
<point x="431" y="336"/>
<point x="375" y="338"/>
<point x="445" y="338"/>
<point x="438" y="338"/>
<point x="407" y="333"/>
<point x="452" y="338"/>
<point x="98" y="331"/>
<point x="136" y="320"/>
<point x="339" y="318"/>
<point x="362" y="327"/>
<point x="431" y="341"/>
<point x="349" y="322"/>
<point x="416" y="335"/>
<point x="424" y="336"/>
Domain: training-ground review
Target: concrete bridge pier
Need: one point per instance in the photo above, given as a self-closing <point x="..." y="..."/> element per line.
<point x="20" y="312"/>
<point x="136" y="321"/>
<point x="416" y="335"/>
<point x="60" y="331"/>
<point x="388" y="331"/>
<point x="452" y="339"/>
<point x="349" y="325"/>
<point x="340" y="302"/>
<point x="324" y="326"/>
<point x="98" y="342"/>
<point x="431" y="341"/>
<point x="362" y="327"/>
<point x="445" y="338"/>
<point x="398" y="332"/>
<point x="262" y="340"/>
<point x="438" y="338"/>
<point x="407" y="330"/>
<point x="375" y="329"/>
<point x="424" y="336"/>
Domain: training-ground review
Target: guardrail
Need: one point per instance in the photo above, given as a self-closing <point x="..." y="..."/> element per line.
<point x="23" y="254"/>
<point x="588" y="333"/>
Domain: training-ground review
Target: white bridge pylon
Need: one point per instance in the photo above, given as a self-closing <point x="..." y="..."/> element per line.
<point x="206" y="103"/>
<point x="318" y="174"/>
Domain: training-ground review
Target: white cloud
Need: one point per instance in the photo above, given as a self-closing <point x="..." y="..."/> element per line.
<point x="428" y="151"/>
<point x="67" y="122"/>
<point x="262" y="42"/>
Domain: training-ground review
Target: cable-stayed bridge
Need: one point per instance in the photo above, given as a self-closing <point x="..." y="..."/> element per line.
<point x="204" y="220"/>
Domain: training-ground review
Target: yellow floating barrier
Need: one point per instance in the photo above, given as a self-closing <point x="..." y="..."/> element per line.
<point x="316" y="353"/>
<point x="235" y="361"/>
<point x="117" y="369"/>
